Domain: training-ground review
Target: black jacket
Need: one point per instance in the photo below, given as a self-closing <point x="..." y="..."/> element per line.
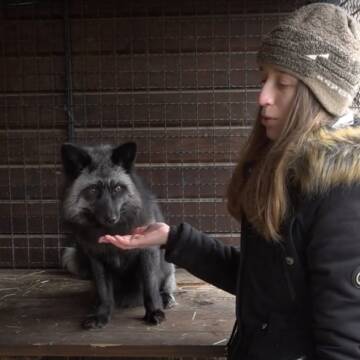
<point x="298" y="298"/>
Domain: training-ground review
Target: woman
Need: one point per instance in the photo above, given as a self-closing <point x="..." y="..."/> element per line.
<point x="296" y="191"/>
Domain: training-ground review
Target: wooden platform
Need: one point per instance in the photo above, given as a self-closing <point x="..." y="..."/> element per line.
<point x="41" y="311"/>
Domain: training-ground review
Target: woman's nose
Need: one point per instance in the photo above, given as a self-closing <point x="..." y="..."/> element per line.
<point x="266" y="96"/>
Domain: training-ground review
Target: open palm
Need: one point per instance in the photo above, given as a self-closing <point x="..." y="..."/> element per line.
<point x="151" y="235"/>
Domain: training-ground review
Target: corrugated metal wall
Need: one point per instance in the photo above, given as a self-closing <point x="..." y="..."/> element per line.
<point x="177" y="77"/>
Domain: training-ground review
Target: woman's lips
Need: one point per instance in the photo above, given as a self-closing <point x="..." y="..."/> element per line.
<point x="267" y="119"/>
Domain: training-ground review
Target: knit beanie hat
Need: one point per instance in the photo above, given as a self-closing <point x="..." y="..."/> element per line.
<point x="320" y="45"/>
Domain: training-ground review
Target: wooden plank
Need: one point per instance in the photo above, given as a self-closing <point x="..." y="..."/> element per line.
<point x="155" y="34"/>
<point x="28" y="217"/>
<point x="168" y="108"/>
<point x="155" y="145"/>
<point x="193" y="76"/>
<point x="102" y="350"/>
<point x="34" y="257"/>
<point x="31" y="251"/>
<point x="31" y="111"/>
<point x="142" y="9"/>
<point x="42" y="310"/>
<point x="166" y="182"/>
<point x="45" y="250"/>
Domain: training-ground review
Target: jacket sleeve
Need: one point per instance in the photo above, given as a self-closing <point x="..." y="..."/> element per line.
<point x="203" y="256"/>
<point x="333" y="255"/>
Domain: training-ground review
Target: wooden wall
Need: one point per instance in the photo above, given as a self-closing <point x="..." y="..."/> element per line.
<point x="177" y="77"/>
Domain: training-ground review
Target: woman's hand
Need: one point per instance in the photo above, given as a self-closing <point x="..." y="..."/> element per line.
<point x="153" y="234"/>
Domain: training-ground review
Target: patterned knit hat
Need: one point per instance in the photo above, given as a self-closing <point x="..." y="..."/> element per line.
<point x="320" y="45"/>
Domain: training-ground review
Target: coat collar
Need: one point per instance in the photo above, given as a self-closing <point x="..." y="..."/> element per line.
<point x="329" y="157"/>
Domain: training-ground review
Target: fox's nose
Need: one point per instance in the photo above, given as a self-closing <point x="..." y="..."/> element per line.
<point x="111" y="219"/>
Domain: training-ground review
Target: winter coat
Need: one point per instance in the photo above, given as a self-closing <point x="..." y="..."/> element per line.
<point x="298" y="298"/>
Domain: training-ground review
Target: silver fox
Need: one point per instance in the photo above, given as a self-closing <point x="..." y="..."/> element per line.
<point x="103" y="195"/>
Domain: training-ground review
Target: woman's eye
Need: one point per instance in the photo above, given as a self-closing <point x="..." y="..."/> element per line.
<point x="283" y="85"/>
<point x="286" y="82"/>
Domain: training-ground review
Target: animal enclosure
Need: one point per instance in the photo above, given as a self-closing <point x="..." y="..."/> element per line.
<point x="177" y="77"/>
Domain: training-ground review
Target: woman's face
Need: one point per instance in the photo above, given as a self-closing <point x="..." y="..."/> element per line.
<point x="275" y="99"/>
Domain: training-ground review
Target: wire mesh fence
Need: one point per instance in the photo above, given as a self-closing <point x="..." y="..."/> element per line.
<point x="179" y="78"/>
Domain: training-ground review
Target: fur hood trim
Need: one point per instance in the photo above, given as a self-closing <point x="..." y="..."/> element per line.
<point x="328" y="158"/>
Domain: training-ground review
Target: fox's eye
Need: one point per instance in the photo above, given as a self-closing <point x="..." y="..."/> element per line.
<point x="118" y="188"/>
<point x="92" y="190"/>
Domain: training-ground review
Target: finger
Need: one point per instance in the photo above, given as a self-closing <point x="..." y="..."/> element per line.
<point x="130" y="241"/>
<point x="109" y="239"/>
<point x="116" y="243"/>
<point x="103" y="240"/>
<point x="124" y="240"/>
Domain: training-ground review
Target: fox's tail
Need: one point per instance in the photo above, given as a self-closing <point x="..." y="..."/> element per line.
<point x="74" y="261"/>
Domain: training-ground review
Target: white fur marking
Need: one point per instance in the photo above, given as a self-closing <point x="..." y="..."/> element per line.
<point x="315" y="56"/>
<point x="68" y="261"/>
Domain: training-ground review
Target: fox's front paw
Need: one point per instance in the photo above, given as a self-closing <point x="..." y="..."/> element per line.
<point x="168" y="300"/>
<point x="95" y="321"/>
<point x="154" y="317"/>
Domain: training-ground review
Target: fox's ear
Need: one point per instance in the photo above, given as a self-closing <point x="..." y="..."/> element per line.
<point x="124" y="155"/>
<point x="74" y="159"/>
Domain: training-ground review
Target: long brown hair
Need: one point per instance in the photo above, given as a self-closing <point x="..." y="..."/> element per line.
<point x="258" y="187"/>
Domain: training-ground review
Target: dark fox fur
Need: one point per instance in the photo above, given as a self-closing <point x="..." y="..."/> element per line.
<point x="103" y="195"/>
